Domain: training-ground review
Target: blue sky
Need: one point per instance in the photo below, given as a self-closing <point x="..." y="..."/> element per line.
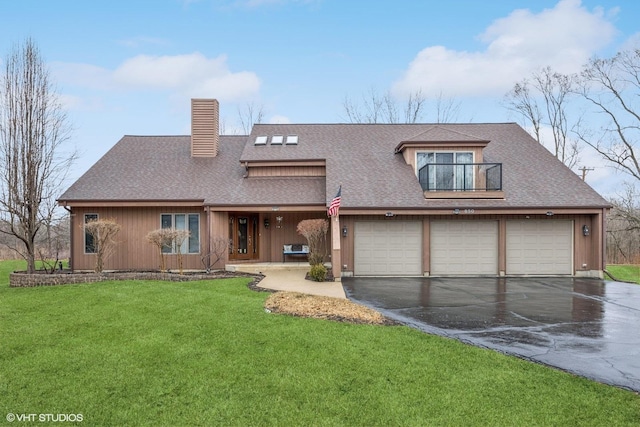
<point x="130" y="67"/>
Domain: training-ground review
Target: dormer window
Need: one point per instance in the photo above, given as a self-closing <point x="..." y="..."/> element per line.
<point x="451" y="165"/>
<point x="445" y="171"/>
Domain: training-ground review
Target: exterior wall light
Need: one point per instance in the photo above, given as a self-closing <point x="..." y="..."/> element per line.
<point x="344" y="231"/>
<point x="266" y="223"/>
<point x="585" y="230"/>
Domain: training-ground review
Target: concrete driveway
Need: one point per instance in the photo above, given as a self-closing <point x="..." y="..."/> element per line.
<point x="588" y="327"/>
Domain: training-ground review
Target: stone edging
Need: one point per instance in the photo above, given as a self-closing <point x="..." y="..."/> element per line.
<point x="24" y="280"/>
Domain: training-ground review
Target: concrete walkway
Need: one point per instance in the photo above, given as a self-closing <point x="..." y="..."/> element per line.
<point x="290" y="277"/>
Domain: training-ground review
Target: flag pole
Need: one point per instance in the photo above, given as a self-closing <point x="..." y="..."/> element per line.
<point x="336" y="256"/>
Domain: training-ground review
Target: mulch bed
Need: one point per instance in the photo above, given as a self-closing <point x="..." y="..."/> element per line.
<point x="327" y="308"/>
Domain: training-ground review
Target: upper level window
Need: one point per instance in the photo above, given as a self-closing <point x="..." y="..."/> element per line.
<point x="445" y="171"/>
<point x="89" y="243"/>
<point x="189" y="222"/>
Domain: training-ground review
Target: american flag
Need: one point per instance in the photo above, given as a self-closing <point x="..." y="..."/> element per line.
<point x="335" y="203"/>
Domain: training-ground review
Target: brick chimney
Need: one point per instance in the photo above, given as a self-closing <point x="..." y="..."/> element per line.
<point x="204" y="127"/>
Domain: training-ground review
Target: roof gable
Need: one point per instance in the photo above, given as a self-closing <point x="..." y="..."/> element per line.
<point x="440" y="135"/>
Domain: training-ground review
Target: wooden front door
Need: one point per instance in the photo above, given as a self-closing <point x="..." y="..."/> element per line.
<point x="243" y="237"/>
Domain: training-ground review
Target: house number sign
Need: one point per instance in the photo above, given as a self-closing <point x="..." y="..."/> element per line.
<point x="464" y="211"/>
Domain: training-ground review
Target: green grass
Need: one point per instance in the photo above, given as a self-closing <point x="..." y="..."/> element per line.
<point x="626" y="272"/>
<point x="206" y="353"/>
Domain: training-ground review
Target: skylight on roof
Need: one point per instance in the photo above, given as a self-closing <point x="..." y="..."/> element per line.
<point x="276" y="139"/>
<point x="261" y="140"/>
<point x="292" y="139"/>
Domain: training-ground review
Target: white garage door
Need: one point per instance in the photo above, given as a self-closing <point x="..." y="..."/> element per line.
<point x="540" y="247"/>
<point x="388" y="248"/>
<point x="464" y="247"/>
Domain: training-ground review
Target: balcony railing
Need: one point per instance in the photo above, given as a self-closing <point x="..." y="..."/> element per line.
<point x="461" y="177"/>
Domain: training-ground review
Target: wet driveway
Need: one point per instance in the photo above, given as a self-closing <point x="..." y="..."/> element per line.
<point x="588" y="327"/>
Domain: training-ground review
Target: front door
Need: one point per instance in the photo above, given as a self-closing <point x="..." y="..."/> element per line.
<point x="243" y="237"/>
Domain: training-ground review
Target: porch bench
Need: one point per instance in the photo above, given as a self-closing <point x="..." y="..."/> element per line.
<point x="294" y="249"/>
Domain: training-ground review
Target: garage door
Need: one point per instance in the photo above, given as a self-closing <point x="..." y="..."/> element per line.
<point x="540" y="247"/>
<point x="388" y="248"/>
<point x="464" y="247"/>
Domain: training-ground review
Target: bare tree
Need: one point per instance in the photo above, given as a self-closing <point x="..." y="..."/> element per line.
<point x="162" y="239"/>
<point x="520" y="100"/>
<point x="180" y="238"/>
<point x="612" y="87"/>
<point x="543" y="101"/>
<point x="315" y="231"/>
<point x="53" y="242"/>
<point x="251" y="114"/>
<point x="377" y="108"/>
<point x="103" y="232"/>
<point x="623" y="228"/>
<point x="217" y="252"/>
<point x="385" y="108"/>
<point x="447" y="109"/>
<point x="33" y="129"/>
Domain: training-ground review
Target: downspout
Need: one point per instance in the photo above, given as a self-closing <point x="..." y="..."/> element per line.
<point x="208" y="264"/>
<point x="603" y="227"/>
<point x="71" y="227"/>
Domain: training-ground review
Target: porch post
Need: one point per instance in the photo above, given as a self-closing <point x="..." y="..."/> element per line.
<point x="336" y="258"/>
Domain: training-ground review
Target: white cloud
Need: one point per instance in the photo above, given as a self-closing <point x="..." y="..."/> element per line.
<point x="190" y="75"/>
<point x="193" y="75"/>
<point x="632" y="42"/>
<point x="563" y="37"/>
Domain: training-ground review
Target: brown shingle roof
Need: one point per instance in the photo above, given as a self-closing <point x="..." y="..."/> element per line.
<point x="441" y="134"/>
<point x="360" y="157"/>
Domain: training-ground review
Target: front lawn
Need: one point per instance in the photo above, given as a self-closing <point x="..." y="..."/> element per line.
<point x="207" y="353"/>
<point x="625" y="272"/>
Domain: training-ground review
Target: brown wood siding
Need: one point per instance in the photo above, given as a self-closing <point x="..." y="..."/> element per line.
<point x="133" y="252"/>
<point x="502" y="246"/>
<point x="587" y="249"/>
<point x="347" y="243"/>
<point x="204" y="127"/>
<point x="261" y="171"/>
<point x="426" y="245"/>
<point x="219" y="230"/>
<point x="287" y="233"/>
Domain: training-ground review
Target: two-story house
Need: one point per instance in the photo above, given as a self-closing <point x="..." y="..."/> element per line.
<point x="417" y="199"/>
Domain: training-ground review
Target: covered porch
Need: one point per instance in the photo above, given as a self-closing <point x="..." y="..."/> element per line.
<point x="254" y="238"/>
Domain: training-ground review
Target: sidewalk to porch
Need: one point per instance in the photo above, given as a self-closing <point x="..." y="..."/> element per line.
<point x="289" y="277"/>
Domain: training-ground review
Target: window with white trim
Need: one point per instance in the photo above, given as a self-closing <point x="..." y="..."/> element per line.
<point x="89" y="241"/>
<point x="439" y="171"/>
<point x="190" y="222"/>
